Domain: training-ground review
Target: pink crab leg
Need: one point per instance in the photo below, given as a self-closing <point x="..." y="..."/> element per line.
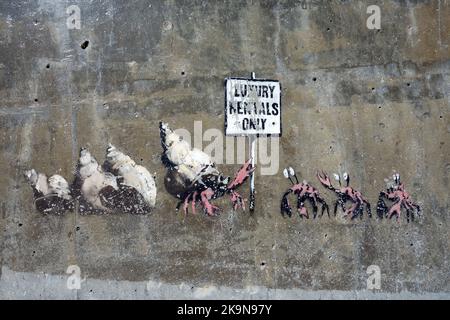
<point x="395" y="209"/>
<point x="194" y="196"/>
<point x="205" y="197"/>
<point x="237" y="200"/>
<point x="185" y="205"/>
<point x="351" y="209"/>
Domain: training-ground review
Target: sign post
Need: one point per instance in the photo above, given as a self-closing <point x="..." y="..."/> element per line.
<point x="252" y="109"/>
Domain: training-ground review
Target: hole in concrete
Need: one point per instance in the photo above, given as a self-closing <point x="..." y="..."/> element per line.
<point x="263" y="264"/>
<point x="379" y="107"/>
<point x="408" y="84"/>
<point x="78" y="228"/>
<point x="85" y="44"/>
<point x="183" y="73"/>
<point x="314" y="79"/>
<point x="48" y="66"/>
<point x="20" y="224"/>
<point x="328" y="29"/>
<point x="411" y="244"/>
<point x="326" y="235"/>
<point x="373" y="89"/>
<point x="36" y="100"/>
<point x="440" y="117"/>
<point x="142" y="159"/>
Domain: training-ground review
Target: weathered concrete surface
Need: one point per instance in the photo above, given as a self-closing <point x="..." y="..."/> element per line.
<point x="379" y="102"/>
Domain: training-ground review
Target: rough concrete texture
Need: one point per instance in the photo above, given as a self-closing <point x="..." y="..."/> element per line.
<point x="354" y="99"/>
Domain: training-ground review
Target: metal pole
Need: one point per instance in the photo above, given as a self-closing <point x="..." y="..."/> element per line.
<point x="252" y="146"/>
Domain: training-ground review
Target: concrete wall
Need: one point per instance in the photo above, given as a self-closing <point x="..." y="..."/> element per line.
<point x="379" y="102"/>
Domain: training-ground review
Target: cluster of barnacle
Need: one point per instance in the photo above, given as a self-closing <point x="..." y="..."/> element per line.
<point x="118" y="185"/>
<point x="394" y="193"/>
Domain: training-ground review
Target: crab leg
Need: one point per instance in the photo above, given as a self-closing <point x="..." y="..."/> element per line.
<point x="351" y="209"/>
<point x="194" y="199"/>
<point x="237" y="200"/>
<point x="395" y="209"/>
<point x="205" y="196"/>
<point x="285" y="207"/>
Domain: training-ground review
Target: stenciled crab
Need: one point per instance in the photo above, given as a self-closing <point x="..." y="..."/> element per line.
<point x="345" y="194"/>
<point x="304" y="192"/>
<point x="401" y="199"/>
<point x="193" y="177"/>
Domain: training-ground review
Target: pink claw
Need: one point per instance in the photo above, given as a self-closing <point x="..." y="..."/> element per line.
<point x="243" y="173"/>
<point x="323" y="178"/>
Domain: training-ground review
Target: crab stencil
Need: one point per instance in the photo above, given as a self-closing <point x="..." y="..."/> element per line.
<point x="193" y="177"/>
<point x="401" y="199"/>
<point x="304" y="192"/>
<point x="345" y="194"/>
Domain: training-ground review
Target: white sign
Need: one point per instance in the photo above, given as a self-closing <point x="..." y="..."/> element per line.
<point x="252" y="107"/>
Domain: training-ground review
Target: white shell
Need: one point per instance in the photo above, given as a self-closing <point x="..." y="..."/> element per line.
<point x="345" y="176"/>
<point x="336" y="177"/>
<point x="190" y="163"/>
<point x="94" y="179"/>
<point x="59" y="186"/>
<point x="285" y="173"/>
<point x="56" y="184"/>
<point x="133" y="175"/>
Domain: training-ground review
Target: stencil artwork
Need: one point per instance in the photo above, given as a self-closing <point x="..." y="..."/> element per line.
<point x="120" y="185"/>
<point x="395" y="192"/>
<point x="193" y="177"/>
<point x="345" y="194"/>
<point x="51" y="195"/>
<point x="304" y="192"/>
